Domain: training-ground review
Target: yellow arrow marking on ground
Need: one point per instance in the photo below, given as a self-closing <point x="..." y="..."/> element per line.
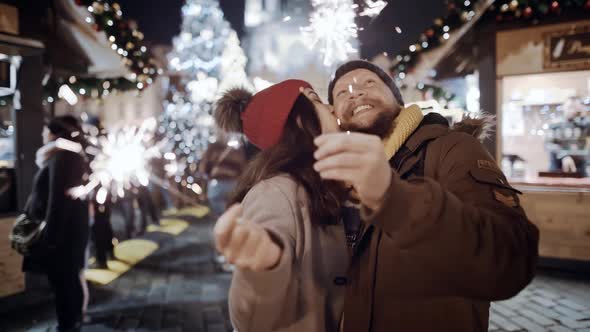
<point x="170" y="226"/>
<point x="131" y="252"/>
<point x="198" y="211"/>
<point x="128" y="253"/>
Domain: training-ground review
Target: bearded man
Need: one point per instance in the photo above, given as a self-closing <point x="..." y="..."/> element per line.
<point x="437" y="232"/>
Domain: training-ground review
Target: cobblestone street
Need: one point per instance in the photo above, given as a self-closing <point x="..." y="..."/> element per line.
<point x="550" y="303"/>
<point x="178" y="289"/>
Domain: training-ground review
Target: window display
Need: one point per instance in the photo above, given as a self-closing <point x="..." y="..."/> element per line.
<point x="545" y="127"/>
<point x="7" y="157"/>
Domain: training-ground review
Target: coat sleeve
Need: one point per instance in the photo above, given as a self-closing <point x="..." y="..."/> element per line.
<point x="463" y="235"/>
<point x="253" y="295"/>
<point x="58" y="203"/>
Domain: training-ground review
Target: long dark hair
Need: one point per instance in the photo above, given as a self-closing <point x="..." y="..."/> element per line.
<point x="293" y="154"/>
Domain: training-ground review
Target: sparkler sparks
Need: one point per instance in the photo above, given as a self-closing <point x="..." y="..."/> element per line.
<point x="332" y="27"/>
<point x="120" y="162"/>
<point x="373" y="8"/>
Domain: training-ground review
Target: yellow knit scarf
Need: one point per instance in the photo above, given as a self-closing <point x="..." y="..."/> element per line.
<point x="406" y="122"/>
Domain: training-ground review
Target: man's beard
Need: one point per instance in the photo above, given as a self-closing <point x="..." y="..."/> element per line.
<point x="382" y="126"/>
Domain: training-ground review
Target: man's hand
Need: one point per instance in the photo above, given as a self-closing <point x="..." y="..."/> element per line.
<point x="357" y="159"/>
<point x="246" y="245"/>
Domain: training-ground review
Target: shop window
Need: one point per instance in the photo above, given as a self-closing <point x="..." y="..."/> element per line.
<point x="7" y="157"/>
<point x="545" y="126"/>
<point x="8" y="67"/>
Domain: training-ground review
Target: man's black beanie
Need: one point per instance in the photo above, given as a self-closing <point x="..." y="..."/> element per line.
<point x="361" y="64"/>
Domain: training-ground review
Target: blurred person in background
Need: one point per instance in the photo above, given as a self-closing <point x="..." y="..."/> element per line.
<point x="568" y="139"/>
<point x="61" y="251"/>
<point x="163" y="198"/>
<point x="147" y="208"/>
<point x="102" y="231"/>
<point x="222" y="163"/>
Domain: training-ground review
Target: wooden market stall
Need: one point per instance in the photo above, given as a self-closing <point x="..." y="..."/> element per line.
<point x="533" y="75"/>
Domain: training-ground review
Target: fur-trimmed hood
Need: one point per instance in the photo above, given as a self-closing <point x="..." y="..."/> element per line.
<point x="481" y="127"/>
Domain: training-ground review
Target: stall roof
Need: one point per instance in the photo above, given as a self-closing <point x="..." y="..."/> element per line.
<point x="77" y="48"/>
<point x="431" y="59"/>
<point x="15" y="45"/>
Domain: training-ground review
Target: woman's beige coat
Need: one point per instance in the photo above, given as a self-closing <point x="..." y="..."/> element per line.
<point x="305" y="291"/>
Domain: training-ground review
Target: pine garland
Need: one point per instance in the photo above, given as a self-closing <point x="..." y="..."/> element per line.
<point x="126" y="40"/>
<point x="461" y="11"/>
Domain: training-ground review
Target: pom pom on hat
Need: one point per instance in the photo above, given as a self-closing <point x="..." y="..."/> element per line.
<point x="229" y="108"/>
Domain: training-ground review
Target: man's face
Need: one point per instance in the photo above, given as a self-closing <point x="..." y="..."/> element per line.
<point x="363" y="102"/>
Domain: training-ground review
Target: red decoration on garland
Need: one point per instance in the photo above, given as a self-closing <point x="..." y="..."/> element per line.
<point x="528" y="12"/>
<point x="555" y="6"/>
<point x="429" y="33"/>
<point x="79" y="2"/>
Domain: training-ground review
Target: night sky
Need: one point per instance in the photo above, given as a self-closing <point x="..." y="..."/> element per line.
<point x="160" y="21"/>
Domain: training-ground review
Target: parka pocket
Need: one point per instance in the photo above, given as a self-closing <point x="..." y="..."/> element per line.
<point x="495" y="179"/>
<point x="499" y="188"/>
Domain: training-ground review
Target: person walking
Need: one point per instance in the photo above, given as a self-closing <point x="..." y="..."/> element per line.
<point x="60" y="253"/>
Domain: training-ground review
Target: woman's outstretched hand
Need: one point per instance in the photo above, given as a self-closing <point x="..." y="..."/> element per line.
<point x="245" y="244"/>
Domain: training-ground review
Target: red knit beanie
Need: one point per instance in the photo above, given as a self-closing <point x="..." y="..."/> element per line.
<point x="261" y="117"/>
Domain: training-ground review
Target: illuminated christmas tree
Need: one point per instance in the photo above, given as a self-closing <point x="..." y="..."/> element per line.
<point x="208" y="58"/>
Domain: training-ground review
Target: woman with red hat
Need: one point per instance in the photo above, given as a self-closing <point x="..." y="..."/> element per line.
<point x="283" y="234"/>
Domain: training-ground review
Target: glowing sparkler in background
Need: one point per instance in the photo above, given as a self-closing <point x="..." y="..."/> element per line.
<point x="120" y="161"/>
<point x="332" y="27"/>
<point x="373" y="8"/>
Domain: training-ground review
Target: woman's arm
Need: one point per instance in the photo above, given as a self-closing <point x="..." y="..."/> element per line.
<point x="262" y="245"/>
